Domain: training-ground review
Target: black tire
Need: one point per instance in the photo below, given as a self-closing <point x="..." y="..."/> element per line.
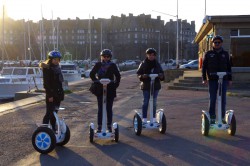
<point x="44" y="140"/>
<point x="66" y="138"/>
<point x="204" y="125"/>
<point x="117" y="134"/>
<point x="163" y="125"/>
<point x="91" y="134"/>
<point x="137" y="123"/>
<point x="232" y="128"/>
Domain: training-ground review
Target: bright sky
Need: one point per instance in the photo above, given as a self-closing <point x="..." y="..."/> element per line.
<point x="191" y="10"/>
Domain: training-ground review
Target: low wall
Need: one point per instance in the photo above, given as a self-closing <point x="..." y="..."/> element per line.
<point x="171" y="74"/>
<point x="241" y="77"/>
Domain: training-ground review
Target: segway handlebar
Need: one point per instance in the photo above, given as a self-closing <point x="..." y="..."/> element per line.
<point x="220" y="74"/>
<point x="104" y="81"/>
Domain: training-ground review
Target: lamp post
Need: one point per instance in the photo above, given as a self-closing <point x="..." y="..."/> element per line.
<point x="168" y="50"/>
<point x="159" y="45"/>
<point x="177" y="33"/>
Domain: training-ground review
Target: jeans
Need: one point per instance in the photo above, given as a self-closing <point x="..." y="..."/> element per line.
<point x="109" y="106"/>
<point x="213" y="88"/>
<point x="146" y="97"/>
<point x="49" y="116"/>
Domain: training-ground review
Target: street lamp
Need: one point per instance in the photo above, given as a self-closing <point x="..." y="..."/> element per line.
<point x="168" y="50"/>
<point x="177" y="33"/>
<point x="159" y="45"/>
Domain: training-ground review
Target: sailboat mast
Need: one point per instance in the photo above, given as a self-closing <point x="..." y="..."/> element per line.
<point x="29" y="49"/>
<point x="24" y="40"/>
<point x="90" y="39"/>
<point x="53" y="32"/>
<point x="3" y="37"/>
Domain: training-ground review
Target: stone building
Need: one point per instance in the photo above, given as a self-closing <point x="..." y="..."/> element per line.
<point x="235" y="31"/>
<point x="127" y="36"/>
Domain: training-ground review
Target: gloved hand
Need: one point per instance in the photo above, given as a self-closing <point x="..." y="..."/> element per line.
<point x="160" y="75"/>
<point x="145" y="76"/>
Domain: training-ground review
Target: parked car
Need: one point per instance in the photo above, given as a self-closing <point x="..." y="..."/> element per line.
<point x="190" y="65"/>
<point x="129" y="63"/>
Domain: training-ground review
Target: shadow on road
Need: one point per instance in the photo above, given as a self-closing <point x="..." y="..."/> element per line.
<point x="63" y="156"/>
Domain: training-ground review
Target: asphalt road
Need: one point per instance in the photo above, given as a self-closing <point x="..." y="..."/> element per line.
<point x="182" y="144"/>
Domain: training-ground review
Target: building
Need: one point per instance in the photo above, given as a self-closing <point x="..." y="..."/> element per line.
<point x="127" y="36"/>
<point x="235" y="31"/>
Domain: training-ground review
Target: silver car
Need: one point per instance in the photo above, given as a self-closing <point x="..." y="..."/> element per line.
<point x="190" y="65"/>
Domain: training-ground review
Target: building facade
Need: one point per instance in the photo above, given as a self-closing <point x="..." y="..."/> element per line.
<point x="127" y="36"/>
<point x="235" y="31"/>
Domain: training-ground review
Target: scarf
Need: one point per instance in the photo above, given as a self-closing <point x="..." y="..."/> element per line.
<point x="104" y="67"/>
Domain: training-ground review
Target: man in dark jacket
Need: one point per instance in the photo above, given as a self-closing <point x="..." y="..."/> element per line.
<point x="52" y="80"/>
<point x="216" y="60"/>
<point x="149" y="66"/>
<point x="105" y="69"/>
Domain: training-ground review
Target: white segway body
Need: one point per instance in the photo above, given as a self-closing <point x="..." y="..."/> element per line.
<point x="160" y="122"/>
<point x="229" y="126"/>
<point x="104" y="134"/>
<point x="44" y="139"/>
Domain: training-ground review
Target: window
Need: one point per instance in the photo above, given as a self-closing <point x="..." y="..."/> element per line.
<point x="30" y="71"/>
<point x="244" y="32"/>
<point x="234" y="32"/>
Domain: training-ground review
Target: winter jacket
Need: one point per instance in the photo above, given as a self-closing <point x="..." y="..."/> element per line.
<point x="52" y="81"/>
<point x="216" y="61"/>
<point x="107" y="70"/>
<point x="149" y="67"/>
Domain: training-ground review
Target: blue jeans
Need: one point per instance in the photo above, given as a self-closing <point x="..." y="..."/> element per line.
<point x="109" y="106"/>
<point x="146" y="97"/>
<point x="213" y="88"/>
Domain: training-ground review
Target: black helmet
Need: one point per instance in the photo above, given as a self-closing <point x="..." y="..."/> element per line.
<point x="54" y="54"/>
<point x="217" y="37"/>
<point x="150" y="51"/>
<point x="106" y="52"/>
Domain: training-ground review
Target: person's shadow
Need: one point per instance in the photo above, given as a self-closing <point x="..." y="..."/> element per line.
<point x="64" y="157"/>
<point x="126" y="154"/>
<point x="168" y="149"/>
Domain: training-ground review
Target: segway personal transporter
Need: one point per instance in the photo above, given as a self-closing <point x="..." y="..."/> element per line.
<point x="230" y="120"/>
<point x="104" y="134"/>
<point x="44" y="139"/>
<point x="161" y="122"/>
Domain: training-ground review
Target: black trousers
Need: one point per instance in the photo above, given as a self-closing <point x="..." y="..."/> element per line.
<point x="49" y="116"/>
<point x="109" y="107"/>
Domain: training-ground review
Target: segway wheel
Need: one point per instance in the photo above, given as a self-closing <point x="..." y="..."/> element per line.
<point x="232" y="128"/>
<point x="44" y="140"/>
<point x="117" y="134"/>
<point x="137" y="123"/>
<point x="66" y="137"/>
<point x="91" y="134"/>
<point x="163" y="124"/>
<point x="204" y="125"/>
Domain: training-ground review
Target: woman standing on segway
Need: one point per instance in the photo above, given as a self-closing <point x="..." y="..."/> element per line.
<point x="109" y="70"/>
<point x="149" y="65"/>
<point x="52" y="80"/>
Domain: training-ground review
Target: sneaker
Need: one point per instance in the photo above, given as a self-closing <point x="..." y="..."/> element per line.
<point x="109" y="129"/>
<point x="212" y="121"/>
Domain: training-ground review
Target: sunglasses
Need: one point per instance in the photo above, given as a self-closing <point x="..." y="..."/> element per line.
<point x="106" y="56"/>
<point x="151" y="54"/>
<point x="217" y="43"/>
